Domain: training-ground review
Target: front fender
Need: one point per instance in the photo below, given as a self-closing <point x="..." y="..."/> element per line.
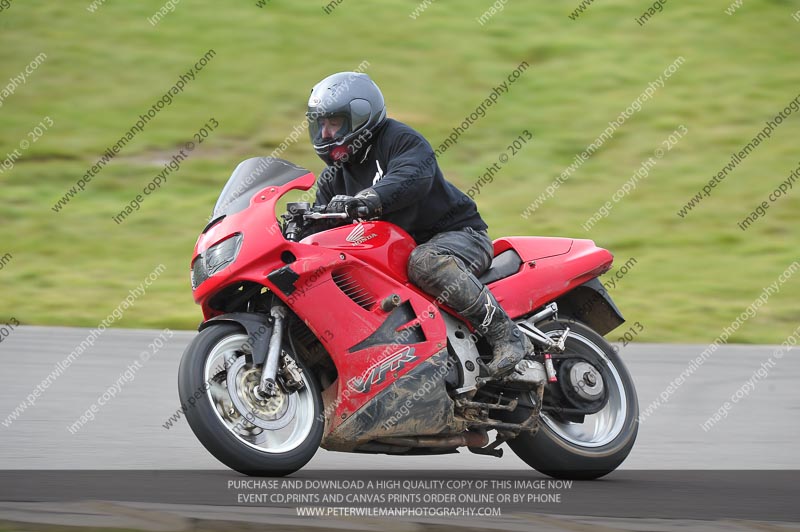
<point x="257" y="326"/>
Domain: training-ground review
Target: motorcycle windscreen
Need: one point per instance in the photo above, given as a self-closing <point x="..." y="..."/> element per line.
<point x="251" y="176"/>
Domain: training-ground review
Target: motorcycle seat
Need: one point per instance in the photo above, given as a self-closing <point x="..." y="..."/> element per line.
<point x="503" y="265"/>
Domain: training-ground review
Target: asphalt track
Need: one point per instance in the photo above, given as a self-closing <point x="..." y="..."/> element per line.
<point x="678" y="470"/>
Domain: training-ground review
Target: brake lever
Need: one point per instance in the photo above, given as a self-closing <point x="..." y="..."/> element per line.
<point x="325" y="215"/>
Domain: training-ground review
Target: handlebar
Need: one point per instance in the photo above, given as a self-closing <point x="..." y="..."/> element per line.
<point x="362" y="212"/>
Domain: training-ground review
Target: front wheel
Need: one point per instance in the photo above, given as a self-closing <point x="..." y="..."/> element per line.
<point x="244" y="429"/>
<point x="589" y="446"/>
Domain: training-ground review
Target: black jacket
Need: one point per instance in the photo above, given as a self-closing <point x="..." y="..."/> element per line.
<point x="401" y="167"/>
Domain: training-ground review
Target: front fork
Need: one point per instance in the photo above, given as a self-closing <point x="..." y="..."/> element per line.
<point x="269" y="372"/>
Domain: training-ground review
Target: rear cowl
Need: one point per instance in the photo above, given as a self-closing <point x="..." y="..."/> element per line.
<point x="550" y="267"/>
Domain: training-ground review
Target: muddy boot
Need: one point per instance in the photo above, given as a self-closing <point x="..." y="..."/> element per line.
<point x="508" y="343"/>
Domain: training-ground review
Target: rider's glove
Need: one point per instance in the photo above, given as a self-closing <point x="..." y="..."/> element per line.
<point x="338" y="204"/>
<point x="366" y="204"/>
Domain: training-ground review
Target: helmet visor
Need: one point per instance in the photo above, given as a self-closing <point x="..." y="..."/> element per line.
<point x="329" y="128"/>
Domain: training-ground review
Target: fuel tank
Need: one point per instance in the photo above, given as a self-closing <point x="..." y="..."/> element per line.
<point x="382" y="245"/>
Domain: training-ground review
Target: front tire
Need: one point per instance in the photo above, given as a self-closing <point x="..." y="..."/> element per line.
<point x="596" y="447"/>
<point x="245" y="431"/>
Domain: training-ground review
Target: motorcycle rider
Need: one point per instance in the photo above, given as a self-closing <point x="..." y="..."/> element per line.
<point x="381" y="168"/>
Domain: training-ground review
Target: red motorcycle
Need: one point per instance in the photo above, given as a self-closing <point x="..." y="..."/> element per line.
<point x="323" y="341"/>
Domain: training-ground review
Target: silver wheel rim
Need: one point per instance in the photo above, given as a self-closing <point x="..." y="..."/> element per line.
<point x="292" y="418"/>
<point x="603" y="427"/>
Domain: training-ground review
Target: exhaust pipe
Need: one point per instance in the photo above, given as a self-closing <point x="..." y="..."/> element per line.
<point x="469" y="438"/>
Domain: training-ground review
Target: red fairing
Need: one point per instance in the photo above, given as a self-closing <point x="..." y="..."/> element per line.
<point x="340" y="303"/>
<point x="374" y="269"/>
<point x="262" y="242"/>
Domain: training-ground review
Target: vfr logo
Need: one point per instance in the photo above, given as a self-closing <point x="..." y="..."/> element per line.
<point x="377" y="373"/>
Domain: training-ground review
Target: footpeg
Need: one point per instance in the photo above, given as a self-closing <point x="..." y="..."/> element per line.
<point x="541" y="339"/>
<point x="561" y="342"/>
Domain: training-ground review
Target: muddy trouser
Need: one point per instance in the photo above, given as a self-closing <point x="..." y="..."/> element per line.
<point x="447" y="266"/>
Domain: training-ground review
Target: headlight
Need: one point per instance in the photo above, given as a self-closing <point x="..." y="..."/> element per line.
<point x="215" y="259"/>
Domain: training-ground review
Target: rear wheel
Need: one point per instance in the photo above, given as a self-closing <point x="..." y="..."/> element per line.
<point x="244" y="429"/>
<point x="590" y="446"/>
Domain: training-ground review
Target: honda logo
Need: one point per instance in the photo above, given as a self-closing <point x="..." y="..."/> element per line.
<point x="356" y="236"/>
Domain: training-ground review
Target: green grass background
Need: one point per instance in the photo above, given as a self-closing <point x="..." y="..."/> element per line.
<point x="693" y="276"/>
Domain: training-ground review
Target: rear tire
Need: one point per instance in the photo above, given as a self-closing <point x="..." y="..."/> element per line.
<point x="597" y="447"/>
<point x="217" y="422"/>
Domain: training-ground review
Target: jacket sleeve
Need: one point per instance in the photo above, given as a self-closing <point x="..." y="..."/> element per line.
<point x="325" y="185"/>
<point x="409" y="175"/>
<point x="325" y="191"/>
